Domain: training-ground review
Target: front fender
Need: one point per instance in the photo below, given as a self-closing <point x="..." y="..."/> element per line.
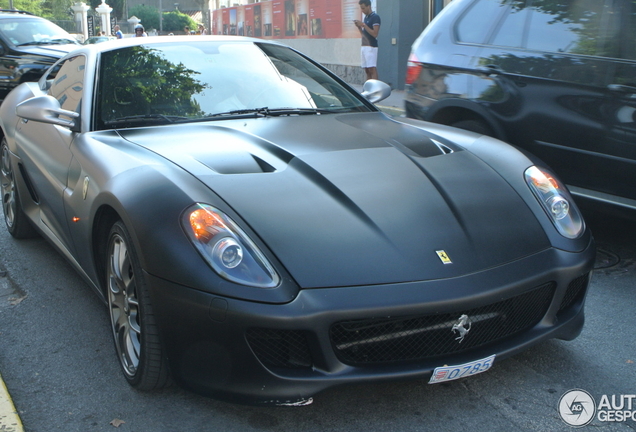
<point x="149" y="194"/>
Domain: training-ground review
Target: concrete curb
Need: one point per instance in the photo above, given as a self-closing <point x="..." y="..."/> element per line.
<point x="9" y="419"/>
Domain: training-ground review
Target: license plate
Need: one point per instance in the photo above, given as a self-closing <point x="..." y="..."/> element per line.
<point x="450" y="373"/>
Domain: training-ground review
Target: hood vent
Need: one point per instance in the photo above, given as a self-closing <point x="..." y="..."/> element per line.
<point x="236" y="163"/>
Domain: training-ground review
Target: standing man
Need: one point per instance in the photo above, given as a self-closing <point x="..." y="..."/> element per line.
<point x="118" y="33"/>
<point x="369" y="29"/>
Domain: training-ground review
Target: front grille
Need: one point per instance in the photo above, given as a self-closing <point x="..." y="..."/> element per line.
<point x="280" y="348"/>
<point x="398" y="339"/>
<point x="575" y="292"/>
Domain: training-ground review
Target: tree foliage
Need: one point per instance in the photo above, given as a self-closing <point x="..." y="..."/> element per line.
<point x="57" y="9"/>
<point x="142" y="79"/>
<point x="175" y="21"/>
<point x="33" y="6"/>
<point x="148" y="15"/>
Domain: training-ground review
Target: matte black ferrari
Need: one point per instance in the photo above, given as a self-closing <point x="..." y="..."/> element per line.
<point x="260" y="232"/>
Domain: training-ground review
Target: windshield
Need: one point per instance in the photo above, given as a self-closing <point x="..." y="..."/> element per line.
<point x="36" y="31"/>
<point x="174" y="82"/>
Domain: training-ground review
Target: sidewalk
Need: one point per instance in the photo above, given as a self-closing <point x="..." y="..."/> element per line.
<point x="9" y="419"/>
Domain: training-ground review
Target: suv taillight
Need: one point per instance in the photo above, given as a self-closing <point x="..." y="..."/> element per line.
<point x="413" y="68"/>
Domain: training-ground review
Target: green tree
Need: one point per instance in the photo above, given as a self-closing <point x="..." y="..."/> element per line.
<point x="144" y="78"/>
<point x="33" y="6"/>
<point x="57" y="9"/>
<point x="175" y="21"/>
<point x="148" y="15"/>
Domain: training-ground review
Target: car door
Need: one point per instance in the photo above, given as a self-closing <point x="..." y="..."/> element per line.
<point x="8" y="64"/>
<point x="620" y="165"/>
<point x="556" y="61"/>
<point x="45" y="149"/>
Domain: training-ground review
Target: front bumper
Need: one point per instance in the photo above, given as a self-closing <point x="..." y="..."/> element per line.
<point x="284" y="354"/>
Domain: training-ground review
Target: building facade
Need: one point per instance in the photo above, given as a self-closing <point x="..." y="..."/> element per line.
<point x="324" y="30"/>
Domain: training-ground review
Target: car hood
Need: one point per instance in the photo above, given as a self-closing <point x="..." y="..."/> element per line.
<point x="344" y="200"/>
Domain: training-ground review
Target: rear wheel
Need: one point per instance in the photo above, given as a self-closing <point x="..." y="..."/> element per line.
<point x="16" y="221"/>
<point x="135" y="330"/>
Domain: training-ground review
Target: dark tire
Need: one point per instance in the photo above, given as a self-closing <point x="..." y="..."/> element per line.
<point x="18" y="225"/>
<point x="474" y="126"/>
<point x="135" y="331"/>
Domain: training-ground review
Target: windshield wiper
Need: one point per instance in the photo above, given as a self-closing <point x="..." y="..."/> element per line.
<point x="303" y="111"/>
<point x="32" y="43"/>
<point x="64" y="41"/>
<point x="50" y="42"/>
<point x="264" y="112"/>
<point x="145" y="117"/>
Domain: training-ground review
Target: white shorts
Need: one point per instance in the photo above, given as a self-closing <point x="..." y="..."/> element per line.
<point x="369" y="56"/>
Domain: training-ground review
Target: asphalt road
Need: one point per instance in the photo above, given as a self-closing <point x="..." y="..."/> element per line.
<point x="58" y="363"/>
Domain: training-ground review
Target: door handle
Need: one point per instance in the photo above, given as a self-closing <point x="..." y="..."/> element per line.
<point x="491" y="69"/>
<point x="625" y="89"/>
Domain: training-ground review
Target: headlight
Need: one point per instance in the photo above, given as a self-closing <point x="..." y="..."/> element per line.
<point x="556" y="201"/>
<point x="226" y="248"/>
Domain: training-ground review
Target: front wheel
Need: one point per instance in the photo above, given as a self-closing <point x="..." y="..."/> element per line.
<point x="135" y="330"/>
<point x="16" y="221"/>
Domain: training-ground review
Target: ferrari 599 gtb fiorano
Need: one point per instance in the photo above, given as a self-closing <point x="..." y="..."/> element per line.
<point x="260" y="232"/>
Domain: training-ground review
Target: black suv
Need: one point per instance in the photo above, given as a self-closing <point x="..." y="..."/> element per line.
<point x="557" y="78"/>
<point x="28" y="46"/>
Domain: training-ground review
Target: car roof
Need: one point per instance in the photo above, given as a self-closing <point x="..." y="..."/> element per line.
<point x="8" y="13"/>
<point x="153" y="40"/>
<point x="14" y="11"/>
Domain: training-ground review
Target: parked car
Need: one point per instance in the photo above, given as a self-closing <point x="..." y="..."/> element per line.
<point x="261" y="231"/>
<point x="555" y="78"/>
<point x="28" y="46"/>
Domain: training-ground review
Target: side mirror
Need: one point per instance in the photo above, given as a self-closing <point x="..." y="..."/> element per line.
<point x="375" y="90"/>
<point x="46" y="109"/>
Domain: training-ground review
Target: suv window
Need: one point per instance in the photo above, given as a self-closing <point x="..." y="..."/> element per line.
<point x="587" y="27"/>
<point x="629" y="48"/>
<point x="476" y="23"/>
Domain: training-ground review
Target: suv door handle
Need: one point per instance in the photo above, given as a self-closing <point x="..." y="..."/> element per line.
<point x="620" y="88"/>
<point x="491" y="69"/>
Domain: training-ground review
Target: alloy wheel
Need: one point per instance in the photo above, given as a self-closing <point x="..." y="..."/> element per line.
<point x="124" y="305"/>
<point x="8" y="188"/>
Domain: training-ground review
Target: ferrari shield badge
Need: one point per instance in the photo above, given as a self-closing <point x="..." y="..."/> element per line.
<point x="443" y="256"/>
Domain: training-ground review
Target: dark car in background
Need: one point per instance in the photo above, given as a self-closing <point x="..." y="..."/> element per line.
<point x="28" y="46"/>
<point x="555" y="78"/>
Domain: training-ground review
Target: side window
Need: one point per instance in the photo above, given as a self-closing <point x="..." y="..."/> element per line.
<point x="511" y="31"/>
<point x="587" y="27"/>
<point x="68" y="83"/>
<point x="629" y="35"/>
<point x="477" y="22"/>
